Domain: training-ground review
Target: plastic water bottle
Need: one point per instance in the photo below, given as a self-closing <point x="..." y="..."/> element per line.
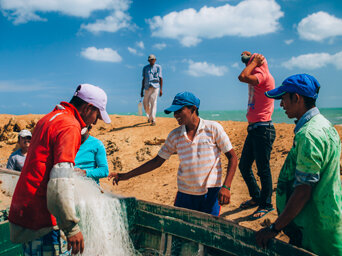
<point x="140" y="112"/>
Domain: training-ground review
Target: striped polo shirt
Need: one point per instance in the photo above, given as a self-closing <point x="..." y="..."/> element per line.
<point x="200" y="163"/>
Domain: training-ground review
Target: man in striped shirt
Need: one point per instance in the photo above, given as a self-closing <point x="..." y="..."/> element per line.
<point x="198" y="144"/>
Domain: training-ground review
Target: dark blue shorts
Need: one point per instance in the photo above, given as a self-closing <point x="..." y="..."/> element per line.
<point x="207" y="203"/>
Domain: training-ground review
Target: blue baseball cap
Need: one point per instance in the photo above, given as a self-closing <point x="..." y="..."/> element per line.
<point x="303" y="84"/>
<point x="183" y="99"/>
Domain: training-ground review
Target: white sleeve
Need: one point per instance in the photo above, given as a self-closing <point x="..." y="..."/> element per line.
<point x="168" y="148"/>
<point x="222" y="139"/>
<point x="60" y="198"/>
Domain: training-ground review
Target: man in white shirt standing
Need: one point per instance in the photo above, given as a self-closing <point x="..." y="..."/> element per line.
<point x="152" y="84"/>
<point x="198" y="144"/>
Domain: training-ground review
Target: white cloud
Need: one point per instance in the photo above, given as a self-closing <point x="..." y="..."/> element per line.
<point x="205" y="69"/>
<point x="246" y="19"/>
<point x="189" y="41"/>
<point x="112" y="23"/>
<point x="314" y="61"/>
<point x="159" y="46"/>
<point x="236" y="65"/>
<point x="134" y="51"/>
<point x="105" y="54"/>
<point x="289" y="41"/>
<point x="319" y="26"/>
<point x="140" y="44"/>
<point x="22" y="11"/>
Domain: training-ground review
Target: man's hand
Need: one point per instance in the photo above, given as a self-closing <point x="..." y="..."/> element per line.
<point x="160" y="93"/>
<point x="116" y="177"/>
<point x="258" y="59"/>
<point x="263" y="235"/>
<point x="76" y="243"/>
<point x="224" y="196"/>
<point x="246" y="53"/>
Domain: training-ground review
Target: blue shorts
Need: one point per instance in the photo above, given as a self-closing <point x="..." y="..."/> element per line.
<point x="207" y="203"/>
<point x="49" y="245"/>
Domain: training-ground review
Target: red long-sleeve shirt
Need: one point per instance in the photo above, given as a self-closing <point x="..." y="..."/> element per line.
<point x="56" y="139"/>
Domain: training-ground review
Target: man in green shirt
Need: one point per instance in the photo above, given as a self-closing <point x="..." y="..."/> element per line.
<point x="309" y="194"/>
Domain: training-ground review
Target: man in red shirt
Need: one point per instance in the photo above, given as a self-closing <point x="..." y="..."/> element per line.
<point x="44" y="195"/>
<point x="261" y="133"/>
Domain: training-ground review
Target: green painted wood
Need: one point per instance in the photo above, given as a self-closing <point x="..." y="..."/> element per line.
<point x="208" y="230"/>
<point x="147" y="221"/>
<point x="129" y="205"/>
<point x="146" y="240"/>
<point x="7" y="248"/>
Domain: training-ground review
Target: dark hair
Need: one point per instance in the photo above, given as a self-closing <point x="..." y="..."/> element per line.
<point x="192" y="107"/>
<point x="77" y="102"/>
<point x="308" y="102"/>
<point x="23" y="137"/>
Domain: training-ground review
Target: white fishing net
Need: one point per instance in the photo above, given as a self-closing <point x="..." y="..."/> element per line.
<point x="102" y="220"/>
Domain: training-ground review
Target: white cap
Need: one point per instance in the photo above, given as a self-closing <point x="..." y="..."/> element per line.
<point x="25" y="133"/>
<point x="96" y="96"/>
<point x="151" y="57"/>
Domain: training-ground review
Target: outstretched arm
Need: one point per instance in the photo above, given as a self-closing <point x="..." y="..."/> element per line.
<point x="224" y="194"/>
<point x="145" y="168"/>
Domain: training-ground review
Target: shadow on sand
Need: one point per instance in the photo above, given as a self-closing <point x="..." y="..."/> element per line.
<point x="237" y="220"/>
<point x="131" y="126"/>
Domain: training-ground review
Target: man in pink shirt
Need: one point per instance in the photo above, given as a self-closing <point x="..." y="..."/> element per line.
<point x="261" y="133"/>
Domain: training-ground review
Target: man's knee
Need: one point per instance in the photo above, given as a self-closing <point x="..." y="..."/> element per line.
<point x="263" y="166"/>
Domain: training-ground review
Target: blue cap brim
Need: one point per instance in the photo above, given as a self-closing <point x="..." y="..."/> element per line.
<point x="276" y="93"/>
<point x="173" y="108"/>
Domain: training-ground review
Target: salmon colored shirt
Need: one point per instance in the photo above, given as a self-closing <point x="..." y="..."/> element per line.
<point x="56" y="139"/>
<point x="260" y="107"/>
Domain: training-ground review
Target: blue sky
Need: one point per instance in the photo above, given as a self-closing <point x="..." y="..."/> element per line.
<point x="49" y="47"/>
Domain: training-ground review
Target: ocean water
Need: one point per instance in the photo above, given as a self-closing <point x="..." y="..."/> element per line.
<point x="334" y="115"/>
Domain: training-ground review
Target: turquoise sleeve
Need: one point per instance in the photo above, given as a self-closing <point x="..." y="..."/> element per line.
<point x="101" y="170"/>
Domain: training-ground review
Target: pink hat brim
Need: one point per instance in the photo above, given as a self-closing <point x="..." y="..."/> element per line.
<point x="105" y="117"/>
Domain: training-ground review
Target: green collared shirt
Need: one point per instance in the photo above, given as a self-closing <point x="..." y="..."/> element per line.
<point x="316" y="152"/>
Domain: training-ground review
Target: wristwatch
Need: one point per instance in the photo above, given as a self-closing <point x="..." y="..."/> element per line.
<point x="273" y="228"/>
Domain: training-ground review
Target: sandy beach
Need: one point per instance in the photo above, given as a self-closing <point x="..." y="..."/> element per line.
<point x="131" y="141"/>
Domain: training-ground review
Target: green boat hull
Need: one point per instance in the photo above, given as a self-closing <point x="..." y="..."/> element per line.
<point x="165" y="230"/>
